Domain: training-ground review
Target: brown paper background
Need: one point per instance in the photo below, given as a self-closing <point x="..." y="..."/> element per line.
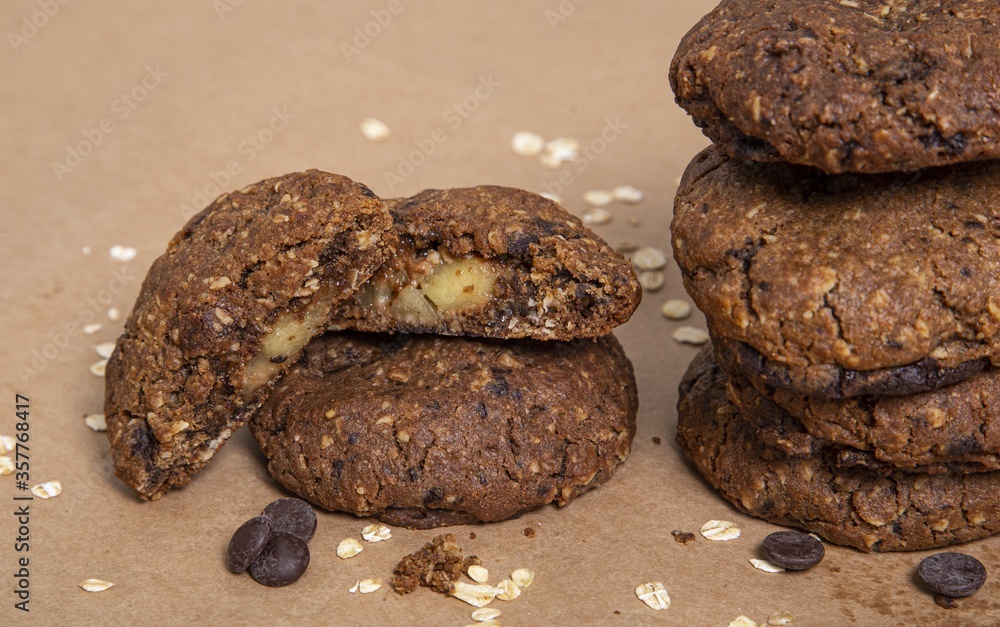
<point x="226" y="73"/>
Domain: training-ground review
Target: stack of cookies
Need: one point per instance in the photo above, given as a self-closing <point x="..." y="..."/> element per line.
<point x="434" y="360"/>
<point x="842" y="237"/>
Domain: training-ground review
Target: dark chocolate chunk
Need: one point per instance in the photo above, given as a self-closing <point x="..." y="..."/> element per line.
<point x="793" y="550"/>
<point x="952" y="574"/>
<point x="293" y="516"/>
<point x="282" y="562"/>
<point x="248" y="542"/>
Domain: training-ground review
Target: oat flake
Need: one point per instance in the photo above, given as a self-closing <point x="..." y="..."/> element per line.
<point x="523" y="577"/>
<point x="47" y="490"/>
<point x="720" y="530"/>
<point x="95" y="585"/>
<point x="766" y="566"/>
<point x="348" y="548"/>
<point x="479" y="574"/>
<point x="653" y="594"/>
<point x="484" y="614"/>
<point x="676" y="309"/>
<point x="376" y="533"/>
<point x="96" y="422"/>
<point x="97" y="368"/>
<point x="691" y="335"/>
<point x="374" y="129"/>
<point x="6" y="465"/>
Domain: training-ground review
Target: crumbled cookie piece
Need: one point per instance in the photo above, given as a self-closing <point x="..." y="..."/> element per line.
<point x="437" y="566"/>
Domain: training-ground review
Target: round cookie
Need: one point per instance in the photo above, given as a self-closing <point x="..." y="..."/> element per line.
<point x="494" y="262"/>
<point x="844" y="285"/>
<point x="240" y="290"/>
<point x="425" y="431"/>
<point x="860" y="86"/>
<point x="851" y="505"/>
<point x="953" y="428"/>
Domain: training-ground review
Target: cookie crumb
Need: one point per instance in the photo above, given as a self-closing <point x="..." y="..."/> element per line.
<point x="947" y="603"/>
<point x="437" y="565"/>
<point x="683" y="537"/>
<point x="528" y="532"/>
<point x="374" y="129"/>
<point x="472" y="535"/>
<point x="657" y="439"/>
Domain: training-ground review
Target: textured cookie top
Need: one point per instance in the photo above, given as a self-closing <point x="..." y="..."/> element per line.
<point x="495" y="262"/>
<point x="846" y="86"/>
<point x="238" y="291"/>
<point x="829" y="274"/>
<point x="870" y="509"/>
<point x="429" y="430"/>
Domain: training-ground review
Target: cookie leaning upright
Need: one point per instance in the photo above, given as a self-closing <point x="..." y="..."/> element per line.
<point x="860" y="86"/>
<point x="495" y="262"/>
<point x="239" y="292"/>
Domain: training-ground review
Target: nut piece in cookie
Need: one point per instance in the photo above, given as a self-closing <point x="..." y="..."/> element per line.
<point x="846" y="86"/>
<point x="239" y="292"/>
<point x="430" y="430"/>
<point x="493" y="262"/>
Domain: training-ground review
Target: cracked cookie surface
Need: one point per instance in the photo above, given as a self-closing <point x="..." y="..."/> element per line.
<point x="843" y="285"/>
<point x="425" y="431"/>
<point x="494" y="262"/>
<point x="859" y="86"/>
<point x="853" y="506"/>
<point x="240" y="290"/>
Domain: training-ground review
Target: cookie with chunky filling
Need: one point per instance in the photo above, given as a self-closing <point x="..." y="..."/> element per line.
<point x="851" y="505"/>
<point x="493" y="262"/>
<point x="843" y="285"/>
<point x="239" y="292"/>
<point x="425" y="431"/>
<point x="956" y="427"/>
<point x="846" y="86"/>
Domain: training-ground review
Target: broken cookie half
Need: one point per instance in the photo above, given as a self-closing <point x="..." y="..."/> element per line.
<point x="240" y="291"/>
<point x="493" y="262"/>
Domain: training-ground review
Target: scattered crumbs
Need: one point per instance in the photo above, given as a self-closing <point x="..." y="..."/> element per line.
<point x="472" y="535"/>
<point x="947" y="603"/>
<point x="122" y="253"/>
<point x="657" y="439"/>
<point x="683" y="537"/>
<point x="374" y="129"/>
<point x="528" y="532"/>
<point x="617" y="612"/>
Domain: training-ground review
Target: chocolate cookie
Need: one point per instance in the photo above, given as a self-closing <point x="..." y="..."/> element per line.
<point x="860" y="86"/>
<point x="241" y="289"/>
<point x="494" y="262"/>
<point x="844" y="285"/>
<point x="954" y="428"/>
<point x="425" y="431"/>
<point x="851" y="505"/>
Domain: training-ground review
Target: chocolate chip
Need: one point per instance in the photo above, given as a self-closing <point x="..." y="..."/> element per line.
<point x="248" y="542"/>
<point x="293" y="516"/>
<point x="793" y="550"/>
<point x="952" y="574"/>
<point x="282" y="562"/>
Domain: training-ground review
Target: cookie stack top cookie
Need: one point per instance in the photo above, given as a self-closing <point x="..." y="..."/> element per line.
<point x="846" y="86"/>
